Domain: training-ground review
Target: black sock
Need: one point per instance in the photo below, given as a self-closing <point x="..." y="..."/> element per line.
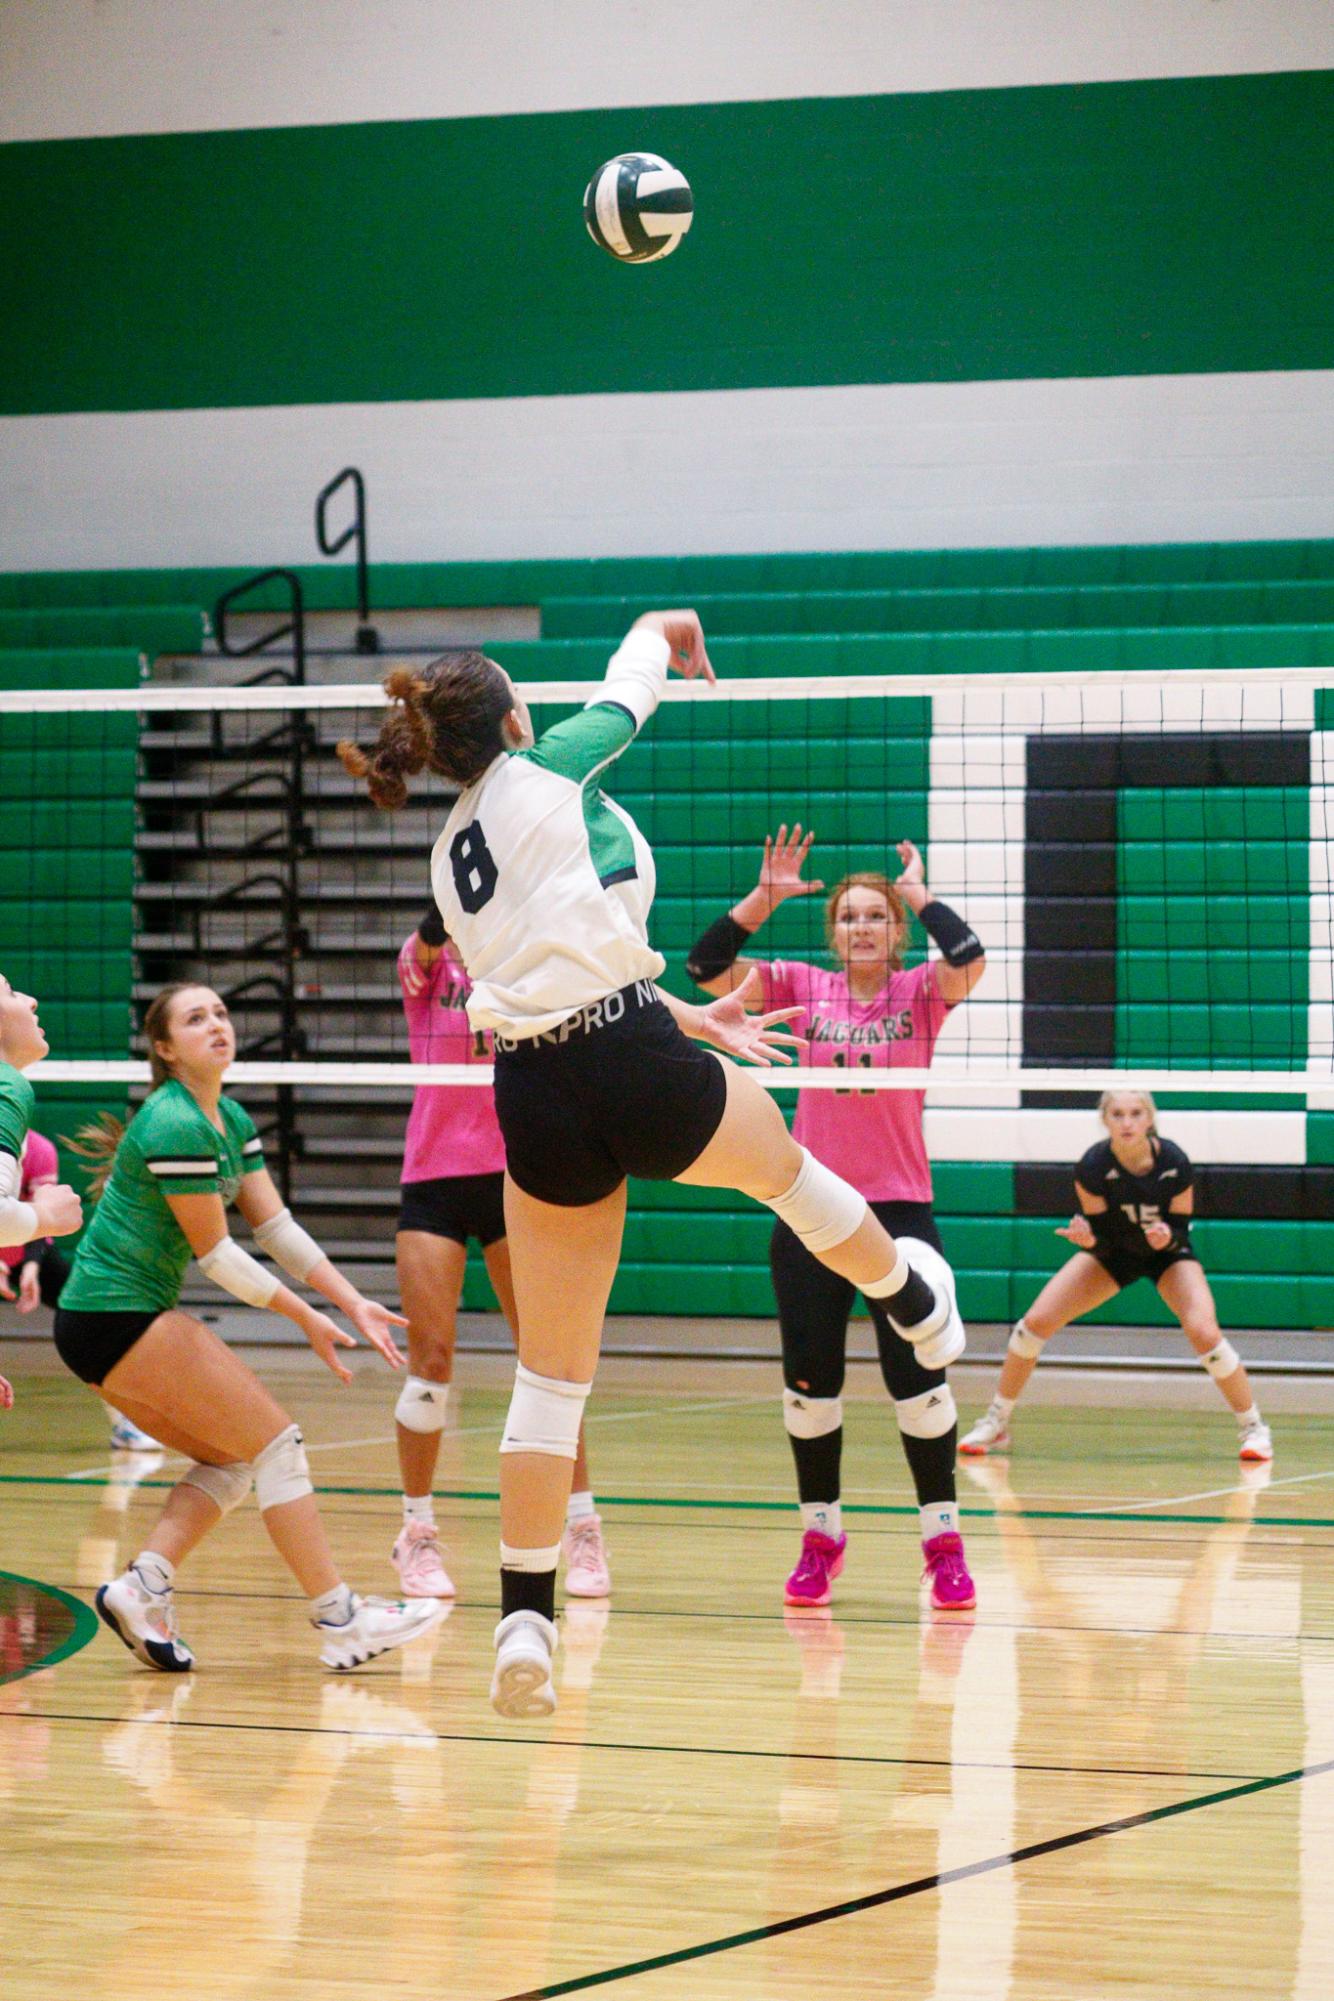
<point x="528" y="1591"/>
<point x="931" y="1463"/>
<point x="818" y="1464"/>
<point x="912" y="1303"/>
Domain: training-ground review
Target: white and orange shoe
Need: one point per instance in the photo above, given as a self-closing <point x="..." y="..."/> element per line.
<point x="990" y="1434"/>
<point x="1256" y="1443"/>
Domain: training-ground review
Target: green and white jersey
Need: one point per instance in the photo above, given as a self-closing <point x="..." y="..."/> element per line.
<point x="17" y="1219"/>
<point x="134" y="1252"/>
<point x="543" y="882"/>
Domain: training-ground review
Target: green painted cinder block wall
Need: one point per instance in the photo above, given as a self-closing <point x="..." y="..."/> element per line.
<point x="1072" y="230"/>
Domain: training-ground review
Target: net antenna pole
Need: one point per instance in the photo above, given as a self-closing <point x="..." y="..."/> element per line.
<point x="367" y="639"/>
<point x="291" y="741"/>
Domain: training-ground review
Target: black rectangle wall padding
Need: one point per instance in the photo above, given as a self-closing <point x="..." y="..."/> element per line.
<point x="1277" y="1194"/>
<point x="1073" y="763"/>
<point x="1069" y="869"/>
<point x="1207" y="757"/>
<point x="1070" y="1032"/>
<point x="1052" y="977"/>
<point x="1069" y="816"/>
<point x="1069" y="924"/>
<point x="1059" y="1101"/>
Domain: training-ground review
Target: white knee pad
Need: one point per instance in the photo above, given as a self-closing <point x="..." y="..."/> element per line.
<point x="281" y="1471"/>
<point x="544" y="1415"/>
<point x="929" y="1415"/>
<point x="422" y="1406"/>
<point x="819" y="1207"/>
<point x="226" y="1486"/>
<point x="948" y="1342"/>
<point x="1222" y="1360"/>
<point x="1025" y="1342"/>
<point x="811" y="1417"/>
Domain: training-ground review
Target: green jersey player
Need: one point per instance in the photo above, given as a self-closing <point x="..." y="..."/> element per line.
<point x="167" y="1182"/>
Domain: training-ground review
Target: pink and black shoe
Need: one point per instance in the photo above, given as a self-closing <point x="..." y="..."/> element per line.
<point x="952" y="1588"/>
<point x="819" y="1564"/>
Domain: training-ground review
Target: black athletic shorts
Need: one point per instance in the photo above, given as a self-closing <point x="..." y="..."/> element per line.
<point x="616" y="1089"/>
<point x="92" y="1343"/>
<point x="457" y="1206"/>
<point x="1126" y="1266"/>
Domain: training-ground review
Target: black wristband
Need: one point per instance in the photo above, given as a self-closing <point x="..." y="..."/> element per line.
<point x="431" y="930"/>
<point x="716" y="949"/>
<point x="1103" y="1225"/>
<point x="959" y="943"/>
<point x="1180" y="1228"/>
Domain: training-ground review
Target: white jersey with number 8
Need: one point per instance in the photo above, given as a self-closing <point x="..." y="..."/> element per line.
<point x="545" y="884"/>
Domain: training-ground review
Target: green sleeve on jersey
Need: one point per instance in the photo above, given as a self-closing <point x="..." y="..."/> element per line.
<point x="16" y="1109"/>
<point x="583" y="744"/>
<point x="242" y="1129"/>
<point x="178" y="1145"/>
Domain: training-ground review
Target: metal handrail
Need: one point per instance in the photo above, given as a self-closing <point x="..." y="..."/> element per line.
<point x="367" y="638"/>
<point x="295" y="627"/>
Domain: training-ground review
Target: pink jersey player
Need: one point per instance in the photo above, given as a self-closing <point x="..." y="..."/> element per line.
<point x="872" y="1138"/>
<point x="38" y="1168"/>
<point x="452" y="1129"/>
<point x="868" y="1014"/>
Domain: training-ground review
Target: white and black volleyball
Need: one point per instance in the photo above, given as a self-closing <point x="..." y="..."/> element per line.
<point x="638" y="207"/>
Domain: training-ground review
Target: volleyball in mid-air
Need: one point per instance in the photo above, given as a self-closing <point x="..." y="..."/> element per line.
<point x="638" y="207"/>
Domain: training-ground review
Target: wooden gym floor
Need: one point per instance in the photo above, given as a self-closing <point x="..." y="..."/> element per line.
<point x="1117" y="1778"/>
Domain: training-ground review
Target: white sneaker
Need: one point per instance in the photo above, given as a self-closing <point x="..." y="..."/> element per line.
<point x="587" y="1572"/>
<point x="521" y="1685"/>
<point x="145" y="1622"/>
<point x="127" y="1437"/>
<point x="989" y="1434"/>
<point x="939" y="1339"/>
<point x="376" y="1625"/>
<point x="1256" y="1442"/>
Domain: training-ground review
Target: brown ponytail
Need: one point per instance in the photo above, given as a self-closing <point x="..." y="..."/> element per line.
<point x="98" y="1141"/>
<point x="447" y="720"/>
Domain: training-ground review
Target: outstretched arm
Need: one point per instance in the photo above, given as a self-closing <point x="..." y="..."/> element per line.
<point x="962" y="961"/>
<point x="714" y="963"/>
<point x="728" y="1025"/>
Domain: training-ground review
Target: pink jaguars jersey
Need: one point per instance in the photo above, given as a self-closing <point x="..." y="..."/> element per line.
<point x="38" y="1165"/>
<point x="452" y="1129"/>
<point x="872" y="1138"/>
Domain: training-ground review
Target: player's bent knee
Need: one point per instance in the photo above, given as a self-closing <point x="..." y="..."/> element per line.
<point x="819" y="1207"/>
<point x="811" y="1417"/>
<point x="282" y="1472"/>
<point x="928" y="1415"/>
<point x="422" y="1405"/>
<point x="1221" y="1360"/>
<point x="226" y="1486"/>
<point x="1023" y="1341"/>
<point x="544" y="1415"/>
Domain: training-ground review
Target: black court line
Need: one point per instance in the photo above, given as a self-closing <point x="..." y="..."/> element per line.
<point x="427" y="1735"/>
<point x="899" y="1891"/>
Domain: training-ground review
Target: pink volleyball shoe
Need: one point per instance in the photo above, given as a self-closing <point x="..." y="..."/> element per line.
<point x="416" y="1558"/>
<point x="820" y="1562"/>
<point x="952" y="1588"/>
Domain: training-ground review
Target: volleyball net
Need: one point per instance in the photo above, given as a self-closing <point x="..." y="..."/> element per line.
<point x="1144" y="856"/>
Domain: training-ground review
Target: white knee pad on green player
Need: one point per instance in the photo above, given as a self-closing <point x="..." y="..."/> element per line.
<point x="1222" y="1360"/>
<point x="819" y="1207"/>
<point x="811" y="1417"/>
<point x="929" y="1415"/>
<point x="1023" y="1341"/>
<point x="281" y="1470"/>
<point x="422" y="1406"/>
<point x="544" y="1415"/>
<point x="949" y="1340"/>
<point x="226" y="1486"/>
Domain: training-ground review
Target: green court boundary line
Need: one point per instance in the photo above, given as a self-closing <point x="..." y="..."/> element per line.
<point x="73" y="1485"/>
<point x="875" y="1899"/>
<point x="83" y="1630"/>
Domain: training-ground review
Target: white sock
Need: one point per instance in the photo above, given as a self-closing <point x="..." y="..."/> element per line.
<point x="1001" y="1407"/>
<point x="419" y="1508"/>
<point x="333" y="1608"/>
<point x="581" y="1507"/>
<point x="1246" y="1419"/>
<point x="155" y="1572"/>
<point x="941" y="1518"/>
<point x="826" y="1516"/>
